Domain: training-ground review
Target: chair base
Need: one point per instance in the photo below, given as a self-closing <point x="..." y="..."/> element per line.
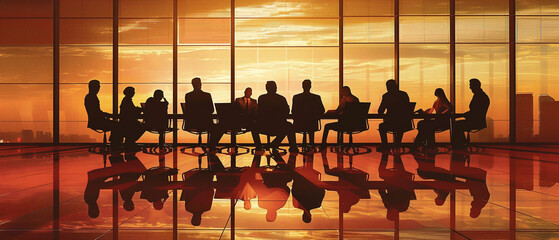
<point x="350" y="150"/>
<point x="192" y="152"/>
<point x="234" y="150"/>
<point x="157" y="149"/>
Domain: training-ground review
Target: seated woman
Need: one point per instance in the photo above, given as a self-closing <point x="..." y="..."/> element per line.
<point x="426" y="128"/>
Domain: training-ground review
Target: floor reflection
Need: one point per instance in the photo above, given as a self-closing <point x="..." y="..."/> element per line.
<point x="68" y="192"/>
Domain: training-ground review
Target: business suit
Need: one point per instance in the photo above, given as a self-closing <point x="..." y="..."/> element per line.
<point x="271" y="119"/>
<point x="396" y="104"/>
<point x="475" y="118"/>
<point x="98" y="120"/>
<point x="198" y="110"/>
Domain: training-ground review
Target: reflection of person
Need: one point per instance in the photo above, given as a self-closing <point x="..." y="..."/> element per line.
<point x="197" y="193"/>
<point x="129" y="115"/>
<point x="476" y="179"/>
<point x="307" y="195"/>
<point x="475" y="118"/>
<point x="398" y="191"/>
<point x="128" y="172"/>
<point x="396" y="104"/>
<point x="155" y="112"/>
<point x="347" y="97"/>
<point x="155" y="180"/>
<point x="199" y="107"/>
<point x="96" y="118"/>
<point x="307" y="110"/>
<point x="426" y="128"/>
<point x="427" y="170"/>
<point x="272" y="191"/>
<point x="272" y="117"/>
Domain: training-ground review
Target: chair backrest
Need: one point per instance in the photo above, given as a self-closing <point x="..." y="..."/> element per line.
<point x="354" y="117"/>
<point x="228" y="114"/>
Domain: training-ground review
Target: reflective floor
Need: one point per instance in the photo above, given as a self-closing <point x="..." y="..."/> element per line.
<point x="68" y="192"/>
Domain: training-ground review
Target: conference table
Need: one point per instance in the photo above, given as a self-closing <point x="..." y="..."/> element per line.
<point x="327" y="116"/>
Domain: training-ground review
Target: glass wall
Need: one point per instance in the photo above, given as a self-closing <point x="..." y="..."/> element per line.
<point x="232" y="45"/>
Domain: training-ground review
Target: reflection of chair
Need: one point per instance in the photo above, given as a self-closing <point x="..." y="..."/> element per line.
<point x="229" y="118"/>
<point x="353" y="120"/>
<point x="160" y="148"/>
<point x="194" y="131"/>
<point x="405" y="127"/>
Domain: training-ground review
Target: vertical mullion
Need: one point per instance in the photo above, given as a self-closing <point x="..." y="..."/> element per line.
<point x="115" y="56"/>
<point x="397" y="41"/>
<point x="453" y="52"/>
<point x="341" y="47"/>
<point x="512" y="71"/>
<point x="232" y="46"/>
<point x="175" y="71"/>
<point x="56" y="73"/>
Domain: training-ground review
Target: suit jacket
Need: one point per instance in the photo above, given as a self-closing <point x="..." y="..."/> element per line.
<point x="198" y="110"/>
<point x="251" y="110"/>
<point x="273" y="110"/>
<point x="478" y="110"/>
<point x="307" y="110"/>
<point x="95" y="116"/>
<point x="397" y="107"/>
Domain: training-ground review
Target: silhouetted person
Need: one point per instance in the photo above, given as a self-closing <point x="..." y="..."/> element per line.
<point x="272" y="190"/>
<point x="96" y="118"/>
<point x="127" y="171"/>
<point x="426" y="128"/>
<point x="346" y="98"/>
<point x="249" y="111"/>
<point x="154" y="190"/>
<point x="306" y="190"/>
<point x="197" y="193"/>
<point x="248" y="107"/>
<point x="398" y="192"/>
<point x="476" y="179"/>
<point x="475" y="118"/>
<point x="428" y="170"/>
<point x="395" y="105"/>
<point x="199" y="108"/>
<point x="129" y="115"/>
<point x="307" y="110"/>
<point x="273" y="111"/>
<point x="155" y="112"/>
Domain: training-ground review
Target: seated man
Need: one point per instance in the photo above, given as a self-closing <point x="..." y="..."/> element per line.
<point x="155" y="112"/>
<point x="248" y="107"/>
<point x="129" y="115"/>
<point x="475" y="118"/>
<point x="97" y="119"/>
<point x="272" y="117"/>
<point x="307" y="110"/>
<point x="347" y="97"/>
<point x="199" y="108"/>
<point x="395" y="105"/>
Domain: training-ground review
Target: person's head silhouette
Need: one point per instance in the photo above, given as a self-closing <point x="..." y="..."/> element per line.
<point x="271" y="87"/>
<point x="197" y="83"/>
<point x="93" y="210"/>
<point x="158" y="94"/>
<point x="247" y="204"/>
<point x="248" y="92"/>
<point x="196" y="219"/>
<point x="346" y="91"/>
<point x="307" y="85"/>
<point x="475" y="84"/>
<point x="271" y="215"/>
<point x="94" y="86"/>
<point x="307" y="217"/>
<point x="439" y="92"/>
<point x="391" y="85"/>
<point x="128" y="205"/>
<point x="158" y="205"/>
<point x="129" y="92"/>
